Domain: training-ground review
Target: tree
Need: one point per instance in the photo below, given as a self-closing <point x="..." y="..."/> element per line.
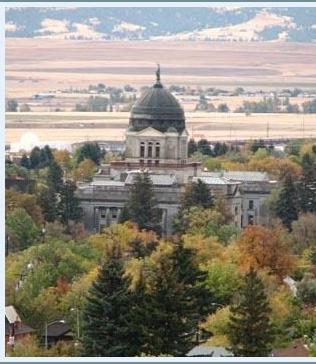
<point x="223" y="108"/>
<point x="222" y="280"/>
<point x="89" y="151"/>
<point x="306" y="289"/>
<point x="307" y="184"/>
<point x="303" y="235"/>
<point x="203" y="146"/>
<point x="25" y="162"/>
<point x="192" y="147"/>
<point x="108" y="323"/>
<point x="69" y="206"/>
<point x="21" y="229"/>
<point x="287" y="205"/>
<point x="141" y="206"/>
<point x="28" y="202"/>
<point x="197" y="194"/>
<point x="47" y="199"/>
<point x="85" y="170"/>
<point x="264" y="249"/>
<point x="54" y="176"/>
<point x="250" y="331"/>
<point x="25" y="108"/>
<point x="170" y="301"/>
<point x="11" y="105"/>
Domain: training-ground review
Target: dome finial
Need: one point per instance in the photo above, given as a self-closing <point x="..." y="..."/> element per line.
<point x="158" y="73"/>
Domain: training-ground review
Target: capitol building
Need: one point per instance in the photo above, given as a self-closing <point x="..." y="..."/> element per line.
<point x="157" y="141"/>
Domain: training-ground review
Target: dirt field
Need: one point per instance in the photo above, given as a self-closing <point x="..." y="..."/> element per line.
<point x="75" y="127"/>
<point x="34" y="65"/>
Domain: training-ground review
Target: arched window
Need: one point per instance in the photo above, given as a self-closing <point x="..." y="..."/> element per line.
<point x="150" y="150"/>
<point x="142" y="150"/>
<point x="157" y="150"/>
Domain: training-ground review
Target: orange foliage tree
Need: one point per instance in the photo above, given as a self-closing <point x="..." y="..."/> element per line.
<point x="264" y="249"/>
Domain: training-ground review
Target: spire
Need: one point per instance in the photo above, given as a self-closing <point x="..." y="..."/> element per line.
<point x="158" y="73"/>
<point x="158" y="84"/>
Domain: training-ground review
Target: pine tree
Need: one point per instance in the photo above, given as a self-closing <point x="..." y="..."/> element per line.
<point x="192" y="147"/>
<point x="109" y="327"/>
<point x="69" y="205"/>
<point x="307" y="185"/>
<point x="141" y="207"/>
<point x="47" y="199"/>
<point x="25" y="162"/>
<point x="197" y="194"/>
<point x="170" y="302"/>
<point x="54" y="176"/>
<point x="250" y="331"/>
<point x="287" y="205"/>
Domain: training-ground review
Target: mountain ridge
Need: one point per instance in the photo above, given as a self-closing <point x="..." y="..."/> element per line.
<point x="200" y="23"/>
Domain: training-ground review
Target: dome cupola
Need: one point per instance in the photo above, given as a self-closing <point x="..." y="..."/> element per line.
<point x="157" y="108"/>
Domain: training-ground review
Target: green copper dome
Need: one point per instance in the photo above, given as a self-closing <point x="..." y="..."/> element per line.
<point x="157" y="108"/>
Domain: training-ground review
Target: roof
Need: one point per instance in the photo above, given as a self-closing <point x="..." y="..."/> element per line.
<point x="213" y="180"/>
<point x="295" y="349"/>
<point x="107" y="182"/>
<point x="214" y="351"/>
<point x="57" y="329"/>
<point x="11" y="315"/>
<point x="157" y="107"/>
<point x="247" y="176"/>
<point x="19" y="328"/>
<point x="157" y="179"/>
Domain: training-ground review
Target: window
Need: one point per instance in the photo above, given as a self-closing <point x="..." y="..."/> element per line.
<point x="250" y="220"/>
<point x="157" y="150"/>
<point x="150" y="150"/>
<point x="141" y="161"/>
<point x="114" y="213"/>
<point x="251" y="204"/>
<point x="103" y="214"/>
<point x="236" y="210"/>
<point x="149" y="162"/>
<point x="142" y="150"/>
<point x="156" y="163"/>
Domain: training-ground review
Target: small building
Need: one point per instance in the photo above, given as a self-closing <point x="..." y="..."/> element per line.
<point x="57" y="331"/>
<point x="15" y="329"/>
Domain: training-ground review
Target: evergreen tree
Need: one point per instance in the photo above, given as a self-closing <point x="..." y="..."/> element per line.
<point x="54" y="176"/>
<point x="69" y="206"/>
<point x="25" y="162"/>
<point x="203" y="146"/>
<point x="169" y="306"/>
<point x="90" y="151"/>
<point x="108" y="322"/>
<point x="197" y="194"/>
<point x="307" y="185"/>
<point x="250" y="331"/>
<point x="141" y="207"/>
<point x="35" y="157"/>
<point x="287" y="204"/>
<point x="192" y="147"/>
<point x="47" y="199"/>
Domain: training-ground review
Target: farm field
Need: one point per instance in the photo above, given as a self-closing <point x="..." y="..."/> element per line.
<point x="80" y="126"/>
<point x="38" y="65"/>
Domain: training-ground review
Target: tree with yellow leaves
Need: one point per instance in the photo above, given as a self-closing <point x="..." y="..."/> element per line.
<point x="262" y="248"/>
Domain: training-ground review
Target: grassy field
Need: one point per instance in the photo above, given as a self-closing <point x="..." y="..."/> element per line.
<point x="74" y="127"/>
<point x="37" y="65"/>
